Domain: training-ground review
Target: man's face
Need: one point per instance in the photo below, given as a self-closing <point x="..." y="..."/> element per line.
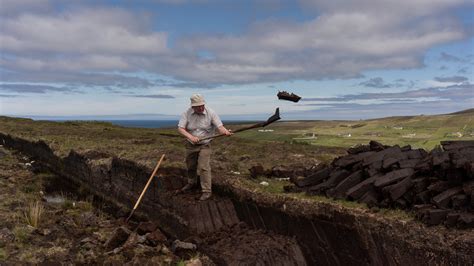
<point x="198" y="109"/>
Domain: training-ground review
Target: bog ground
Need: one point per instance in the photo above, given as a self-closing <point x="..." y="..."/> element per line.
<point x="113" y="163"/>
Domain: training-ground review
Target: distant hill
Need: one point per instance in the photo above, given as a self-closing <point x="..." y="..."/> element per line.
<point x="467" y="111"/>
<point x="105" y="117"/>
<point x="421" y="131"/>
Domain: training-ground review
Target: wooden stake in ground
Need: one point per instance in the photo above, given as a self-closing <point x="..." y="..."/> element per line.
<point x="146" y="186"/>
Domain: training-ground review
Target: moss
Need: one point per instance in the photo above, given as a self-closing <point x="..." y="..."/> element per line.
<point x="68" y="204"/>
<point x="397" y="213"/>
<point x="22" y="234"/>
<point x="86" y="205"/>
<point x="29" y="255"/>
<point x="3" y="254"/>
<point x="30" y="188"/>
<point x="317" y="198"/>
<point x="275" y="187"/>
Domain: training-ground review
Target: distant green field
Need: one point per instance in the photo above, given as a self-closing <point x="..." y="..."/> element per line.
<point x="418" y="131"/>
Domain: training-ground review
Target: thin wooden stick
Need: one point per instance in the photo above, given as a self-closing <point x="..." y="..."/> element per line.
<point x="146" y="186"/>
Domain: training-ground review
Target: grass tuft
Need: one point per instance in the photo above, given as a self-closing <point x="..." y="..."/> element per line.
<point x="34" y="213"/>
<point x="87" y="204"/>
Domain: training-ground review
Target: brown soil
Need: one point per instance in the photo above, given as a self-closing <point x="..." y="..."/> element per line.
<point x="325" y="233"/>
<point x="70" y="230"/>
<point x="69" y="233"/>
<point x="254" y="247"/>
<point x="330" y="234"/>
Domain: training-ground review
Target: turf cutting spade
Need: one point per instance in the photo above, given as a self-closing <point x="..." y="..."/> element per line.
<point x="271" y="119"/>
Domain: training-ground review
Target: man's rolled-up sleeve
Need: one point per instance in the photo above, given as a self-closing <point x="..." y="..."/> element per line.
<point x="216" y="121"/>
<point x="183" y="121"/>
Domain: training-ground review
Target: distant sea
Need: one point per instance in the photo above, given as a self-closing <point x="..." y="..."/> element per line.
<point x="160" y="123"/>
<point x="144" y="123"/>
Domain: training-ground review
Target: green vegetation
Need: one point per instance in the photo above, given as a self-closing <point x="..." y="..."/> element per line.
<point x="397" y="213"/>
<point x="275" y="187"/>
<point x="417" y="131"/>
<point x="22" y="234"/>
<point x="87" y="204"/>
<point x="144" y="145"/>
<point x="282" y="143"/>
<point x="43" y="232"/>
<point x="3" y="254"/>
<point x="309" y="138"/>
<point x="32" y="187"/>
<point x="67" y="204"/>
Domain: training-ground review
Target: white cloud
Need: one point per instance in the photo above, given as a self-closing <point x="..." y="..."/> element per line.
<point x="390" y="7"/>
<point x="83" y="31"/>
<point x="435" y="83"/>
<point x="343" y="40"/>
<point x="76" y="63"/>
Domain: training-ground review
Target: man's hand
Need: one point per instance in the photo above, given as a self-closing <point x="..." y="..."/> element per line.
<point x="224" y="131"/>
<point x="194" y="139"/>
<point x="228" y="132"/>
<point x="188" y="135"/>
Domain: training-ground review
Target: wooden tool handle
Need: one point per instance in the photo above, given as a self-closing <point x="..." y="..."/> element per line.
<point x="235" y="131"/>
<point x="146" y="186"/>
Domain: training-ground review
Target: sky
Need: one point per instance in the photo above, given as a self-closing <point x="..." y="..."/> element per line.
<point x="143" y="59"/>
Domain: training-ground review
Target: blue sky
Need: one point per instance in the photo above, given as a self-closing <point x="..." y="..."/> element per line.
<point x="143" y="59"/>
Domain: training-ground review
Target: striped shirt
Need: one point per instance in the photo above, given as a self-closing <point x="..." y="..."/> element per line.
<point x="200" y="125"/>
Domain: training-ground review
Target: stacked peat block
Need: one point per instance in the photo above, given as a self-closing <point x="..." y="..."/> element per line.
<point x="438" y="186"/>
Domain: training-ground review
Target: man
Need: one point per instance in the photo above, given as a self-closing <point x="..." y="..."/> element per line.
<point x="196" y="123"/>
